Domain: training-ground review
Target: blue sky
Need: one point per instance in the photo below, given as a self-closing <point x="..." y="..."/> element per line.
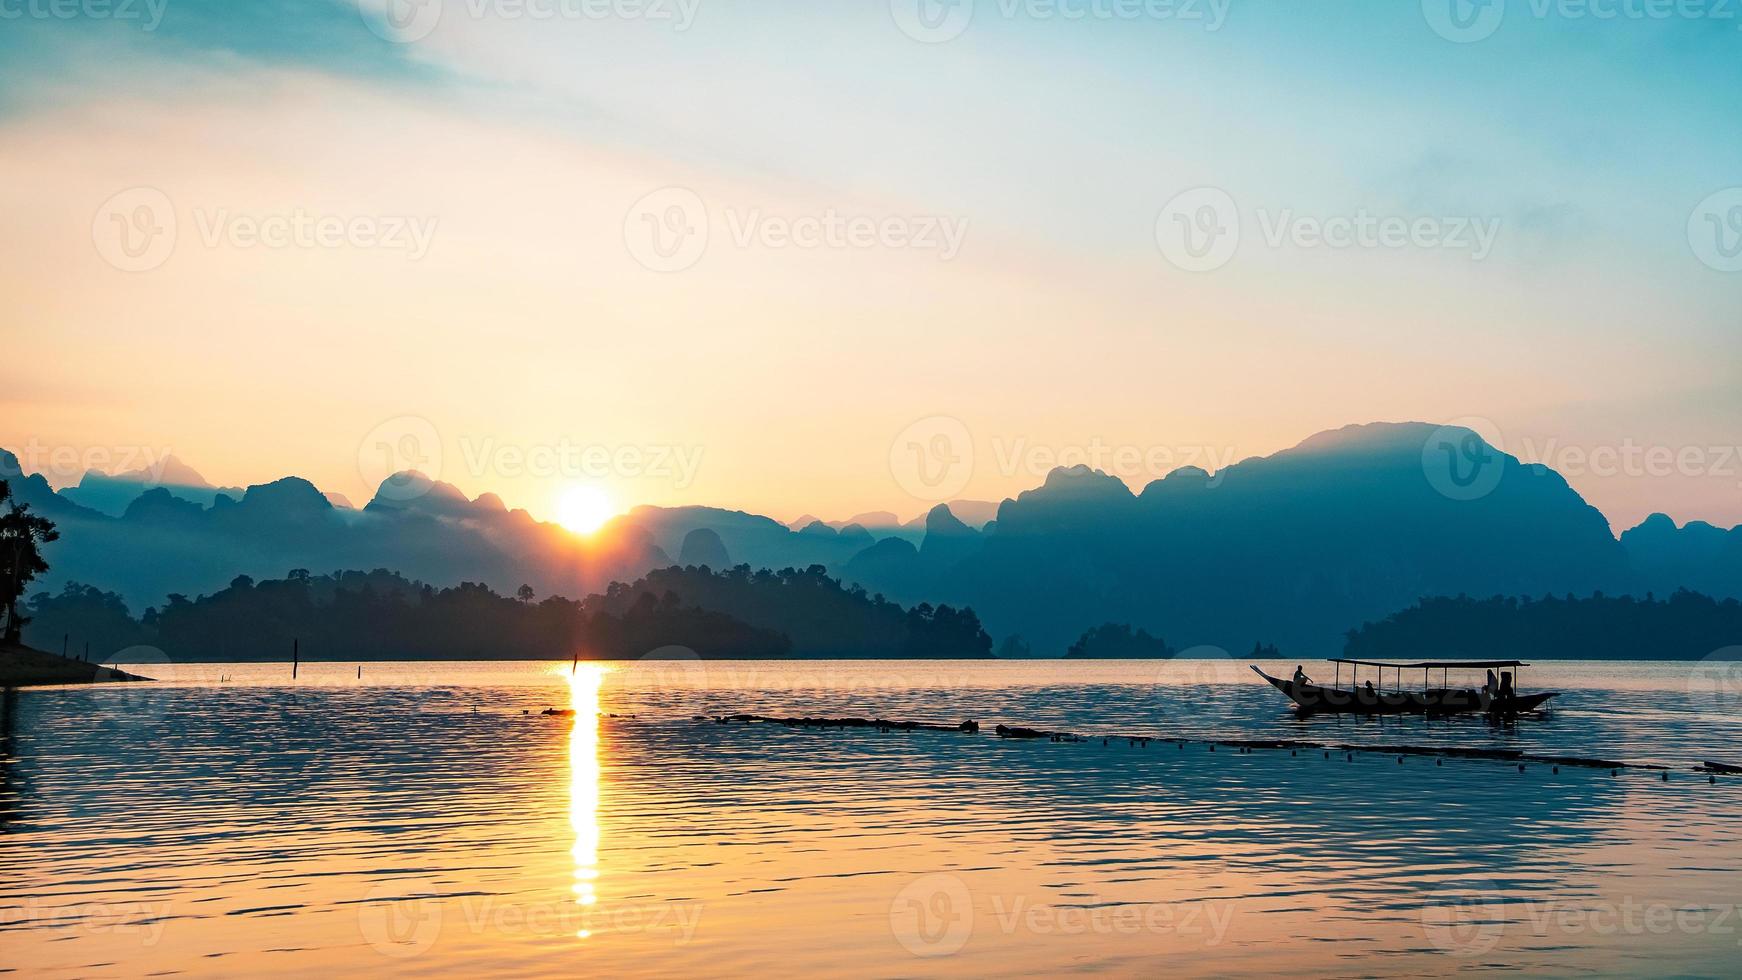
<point x="1590" y="142"/>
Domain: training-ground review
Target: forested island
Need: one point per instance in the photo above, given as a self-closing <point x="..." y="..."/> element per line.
<point x="1685" y="626"/>
<point x="381" y="615"/>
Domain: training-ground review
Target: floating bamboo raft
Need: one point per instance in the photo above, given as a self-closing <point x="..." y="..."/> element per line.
<point x="1242" y="746"/>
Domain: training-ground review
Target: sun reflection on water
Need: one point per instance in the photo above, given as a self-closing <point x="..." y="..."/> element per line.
<point x="584" y="683"/>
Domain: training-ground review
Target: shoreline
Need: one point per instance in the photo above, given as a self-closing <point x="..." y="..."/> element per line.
<point x="22" y="666"/>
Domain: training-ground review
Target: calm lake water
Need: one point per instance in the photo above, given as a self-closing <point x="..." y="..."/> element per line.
<point x="418" y="820"/>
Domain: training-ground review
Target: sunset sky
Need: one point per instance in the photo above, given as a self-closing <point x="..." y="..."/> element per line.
<point x="899" y="229"/>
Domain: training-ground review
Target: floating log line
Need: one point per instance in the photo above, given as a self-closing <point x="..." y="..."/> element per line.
<point x="1241" y="746"/>
<point x="881" y="724"/>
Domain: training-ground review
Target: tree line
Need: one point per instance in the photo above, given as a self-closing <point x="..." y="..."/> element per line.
<point x="1685" y="626"/>
<point x="380" y="615"/>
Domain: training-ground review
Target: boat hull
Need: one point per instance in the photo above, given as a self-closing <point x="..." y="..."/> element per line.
<point x="1316" y="699"/>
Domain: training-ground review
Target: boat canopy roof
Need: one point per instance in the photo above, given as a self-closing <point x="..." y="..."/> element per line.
<point x="1431" y="664"/>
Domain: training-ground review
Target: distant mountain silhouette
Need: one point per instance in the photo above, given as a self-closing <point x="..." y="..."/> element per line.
<point x="704" y="549"/>
<point x="749" y="538"/>
<point x="897" y="568"/>
<point x="1294" y="548"/>
<point x="112" y="494"/>
<point x="1696" y="556"/>
<point x="885" y="524"/>
<point x="164" y="543"/>
<point x="1290" y="548"/>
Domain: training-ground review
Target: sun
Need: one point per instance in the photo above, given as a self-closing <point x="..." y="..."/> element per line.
<point x="583" y="508"/>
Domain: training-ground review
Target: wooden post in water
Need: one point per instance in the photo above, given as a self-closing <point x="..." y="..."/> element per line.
<point x="295" y="657"/>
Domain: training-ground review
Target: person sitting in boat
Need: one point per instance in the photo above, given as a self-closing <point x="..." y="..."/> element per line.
<point x="1371" y="694"/>
<point x="1489" y="687"/>
<point x="1300" y="677"/>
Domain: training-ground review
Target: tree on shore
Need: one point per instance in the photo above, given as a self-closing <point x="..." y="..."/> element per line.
<point x="22" y="535"/>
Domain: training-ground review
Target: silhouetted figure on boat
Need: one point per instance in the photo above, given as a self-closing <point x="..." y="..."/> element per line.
<point x="1300" y="676"/>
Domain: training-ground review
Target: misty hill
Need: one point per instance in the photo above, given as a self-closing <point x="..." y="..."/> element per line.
<point x="1696" y="556"/>
<point x="750" y="538"/>
<point x="1294" y="547"/>
<point x="164" y="543"/>
<point x="883" y="524"/>
<point x="1686" y="626"/>
<point x="111" y="495"/>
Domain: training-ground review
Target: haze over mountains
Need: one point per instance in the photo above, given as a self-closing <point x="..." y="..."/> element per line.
<point x="1295" y="548"/>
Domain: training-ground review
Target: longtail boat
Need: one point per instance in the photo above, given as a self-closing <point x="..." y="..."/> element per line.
<point x="1366" y="698"/>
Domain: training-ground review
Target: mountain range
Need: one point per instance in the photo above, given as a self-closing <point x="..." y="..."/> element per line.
<point x="1296" y="548"/>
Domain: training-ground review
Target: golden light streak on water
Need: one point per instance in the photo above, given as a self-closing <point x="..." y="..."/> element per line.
<point x="585" y="680"/>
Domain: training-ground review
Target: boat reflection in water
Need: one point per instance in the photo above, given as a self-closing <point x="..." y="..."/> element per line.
<point x="585" y="680"/>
